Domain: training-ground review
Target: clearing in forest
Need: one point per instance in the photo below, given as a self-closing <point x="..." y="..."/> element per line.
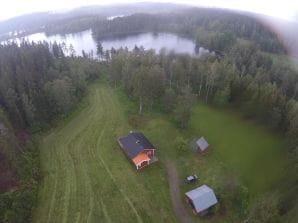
<point x="87" y="178"/>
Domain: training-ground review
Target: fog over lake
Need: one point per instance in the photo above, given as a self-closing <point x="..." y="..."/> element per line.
<point x="84" y="41"/>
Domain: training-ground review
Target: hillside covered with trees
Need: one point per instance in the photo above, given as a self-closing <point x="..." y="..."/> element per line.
<point x="215" y="29"/>
<point x="38" y="85"/>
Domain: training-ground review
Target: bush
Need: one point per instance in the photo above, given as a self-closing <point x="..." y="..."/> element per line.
<point x="16" y="206"/>
<point x="181" y="144"/>
<point x="265" y="210"/>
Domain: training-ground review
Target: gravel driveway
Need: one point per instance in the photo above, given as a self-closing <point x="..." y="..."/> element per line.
<point x="173" y="179"/>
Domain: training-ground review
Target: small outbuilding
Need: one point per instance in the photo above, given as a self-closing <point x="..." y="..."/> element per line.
<point x="202" y="145"/>
<point x="201" y="199"/>
<point x="138" y="149"/>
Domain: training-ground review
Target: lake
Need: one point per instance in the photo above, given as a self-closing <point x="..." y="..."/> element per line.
<point x="84" y="41"/>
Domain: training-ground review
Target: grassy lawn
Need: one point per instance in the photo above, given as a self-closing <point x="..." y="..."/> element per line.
<point x="246" y="149"/>
<point x="240" y="150"/>
<point x="87" y="178"/>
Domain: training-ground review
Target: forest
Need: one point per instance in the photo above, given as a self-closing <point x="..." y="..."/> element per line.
<point x="207" y="27"/>
<point x="39" y="86"/>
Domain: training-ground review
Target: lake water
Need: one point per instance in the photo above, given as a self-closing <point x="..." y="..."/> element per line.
<point x="84" y="41"/>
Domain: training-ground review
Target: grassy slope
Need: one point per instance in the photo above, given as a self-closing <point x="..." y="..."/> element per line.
<point x="248" y="150"/>
<point x="239" y="149"/>
<point x="88" y="179"/>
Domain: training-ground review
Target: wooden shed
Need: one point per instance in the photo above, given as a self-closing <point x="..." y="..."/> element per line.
<point x="201" y="199"/>
<point x="202" y="145"/>
<point x="138" y="149"/>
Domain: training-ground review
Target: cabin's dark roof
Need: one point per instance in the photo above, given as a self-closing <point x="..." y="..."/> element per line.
<point x="134" y="143"/>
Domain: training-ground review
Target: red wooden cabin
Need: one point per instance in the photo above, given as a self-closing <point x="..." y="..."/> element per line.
<point x="138" y="149"/>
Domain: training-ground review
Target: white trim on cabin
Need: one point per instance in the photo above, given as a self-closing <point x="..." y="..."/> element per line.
<point x="138" y="165"/>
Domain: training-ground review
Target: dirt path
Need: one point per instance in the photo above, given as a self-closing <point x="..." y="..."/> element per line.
<point x="173" y="178"/>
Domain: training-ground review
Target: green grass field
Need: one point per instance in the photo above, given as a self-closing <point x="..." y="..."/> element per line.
<point x="240" y="149"/>
<point x="245" y="148"/>
<point x="87" y="178"/>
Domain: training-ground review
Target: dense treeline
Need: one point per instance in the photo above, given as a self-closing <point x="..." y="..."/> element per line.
<point x="78" y="19"/>
<point x="245" y="78"/>
<point x="207" y="26"/>
<point x="21" y="163"/>
<point x="72" y="25"/>
<point x="38" y="85"/>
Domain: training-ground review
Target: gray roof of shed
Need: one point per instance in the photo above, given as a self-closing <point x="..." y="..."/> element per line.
<point x="202" y="143"/>
<point x="202" y="198"/>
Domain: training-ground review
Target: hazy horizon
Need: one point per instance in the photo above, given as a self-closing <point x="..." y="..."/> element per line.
<point x="286" y="9"/>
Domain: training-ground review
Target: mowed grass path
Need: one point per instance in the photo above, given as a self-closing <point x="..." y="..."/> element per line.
<point x="87" y="178"/>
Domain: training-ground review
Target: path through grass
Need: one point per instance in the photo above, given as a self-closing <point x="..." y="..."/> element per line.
<point x="88" y="179"/>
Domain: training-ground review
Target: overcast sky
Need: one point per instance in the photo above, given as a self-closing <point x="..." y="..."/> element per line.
<point x="287" y="9"/>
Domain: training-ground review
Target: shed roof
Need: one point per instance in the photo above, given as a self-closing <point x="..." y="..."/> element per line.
<point x="134" y="143"/>
<point x="202" y="198"/>
<point x="202" y="143"/>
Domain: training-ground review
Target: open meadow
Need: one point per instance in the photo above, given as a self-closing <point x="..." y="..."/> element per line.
<point x="87" y="178"/>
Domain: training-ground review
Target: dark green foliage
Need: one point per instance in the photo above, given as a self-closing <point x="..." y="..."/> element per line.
<point x="143" y="78"/>
<point x="219" y="41"/>
<point x="233" y="194"/>
<point x="181" y="144"/>
<point x="15" y="206"/>
<point x="28" y="163"/>
<point x="222" y="96"/>
<point x="37" y="83"/>
<point x="169" y="100"/>
<point x="214" y="28"/>
<point x="182" y="112"/>
<point x="265" y="210"/>
<point x="60" y="95"/>
<point x="238" y="78"/>
<point x="99" y="49"/>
